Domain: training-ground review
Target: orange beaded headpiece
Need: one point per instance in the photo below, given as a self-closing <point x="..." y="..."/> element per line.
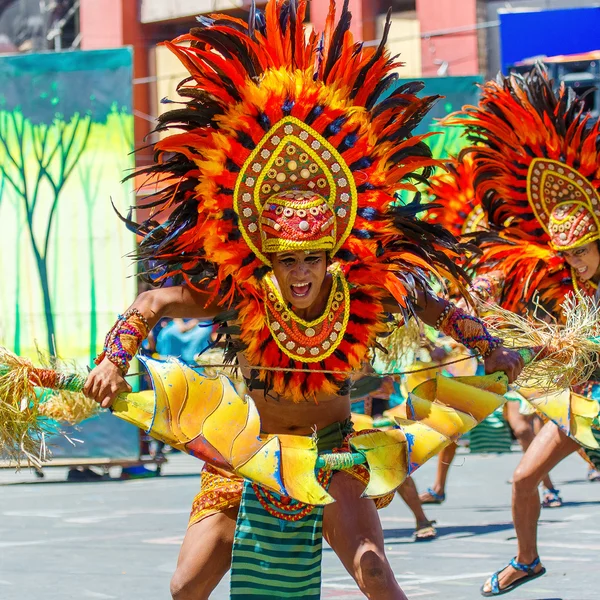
<point x="296" y="220"/>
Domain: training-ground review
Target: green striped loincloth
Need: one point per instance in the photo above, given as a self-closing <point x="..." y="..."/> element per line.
<point x="274" y="558"/>
<point x="491" y="435"/>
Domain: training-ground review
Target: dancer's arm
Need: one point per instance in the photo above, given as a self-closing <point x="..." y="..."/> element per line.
<point x="175" y="302"/>
<point x="469" y="331"/>
<point x="107" y="380"/>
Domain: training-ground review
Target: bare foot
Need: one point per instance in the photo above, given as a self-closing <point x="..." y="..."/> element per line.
<point x="508" y="576"/>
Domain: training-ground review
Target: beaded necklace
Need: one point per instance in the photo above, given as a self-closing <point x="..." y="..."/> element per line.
<point x="309" y="341"/>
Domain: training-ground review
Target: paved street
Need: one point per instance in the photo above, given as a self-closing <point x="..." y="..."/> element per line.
<point x="119" y="540"/>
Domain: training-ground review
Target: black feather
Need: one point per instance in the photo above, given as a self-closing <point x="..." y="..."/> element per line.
<point x="360" y="80"/>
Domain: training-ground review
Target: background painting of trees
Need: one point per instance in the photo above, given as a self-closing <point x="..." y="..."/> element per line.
<point x="66" y="134"/>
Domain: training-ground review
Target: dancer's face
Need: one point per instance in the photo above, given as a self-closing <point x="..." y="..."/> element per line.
<point x="300" y="276"/>
<point x="585" y="260"/>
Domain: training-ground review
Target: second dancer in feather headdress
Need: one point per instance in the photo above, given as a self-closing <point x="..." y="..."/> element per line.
<point x="536" y="159"/>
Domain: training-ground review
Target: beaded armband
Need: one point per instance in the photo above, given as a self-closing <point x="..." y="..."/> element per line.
<point x="468" y="330"/>
<point x="124" y="339"/>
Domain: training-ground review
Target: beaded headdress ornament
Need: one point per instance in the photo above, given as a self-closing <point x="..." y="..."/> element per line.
<point x="565" y="203"/>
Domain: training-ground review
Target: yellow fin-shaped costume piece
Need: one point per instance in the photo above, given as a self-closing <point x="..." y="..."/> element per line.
<point x="387" y="460"/>
<point x="554" y="405"/>
<point x="227" y="422"/>
<point x="204" y="395"/>
<point x="264" y="466"/>
<point x="584" y="407"/>
<point x="361" y="422"/>
<point x="450" y="422"/>
<point x="298" y="459"/>
<point x="581" y="431"/>
<point x="423" y="442"/>
<point x="138" y="408"/>
<point x="207" y="418"/>
<point x="440" y="410"/>
<point x="497" y="382"/>
<point x="470" y="397"/>
<point x="203" y="416"/>
<point x="421" y="375"/>
<point x="573" y="413"/>
<point x="248" y="440"/>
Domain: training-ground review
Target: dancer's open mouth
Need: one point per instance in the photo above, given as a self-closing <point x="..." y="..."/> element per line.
<point x="300" y="290"/>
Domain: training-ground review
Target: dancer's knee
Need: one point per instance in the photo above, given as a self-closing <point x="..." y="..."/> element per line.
<point x="182" y="586"/>
<point x="187" y="585"/>
<point x="525" y="481"/>
<point x="376" y="578"/>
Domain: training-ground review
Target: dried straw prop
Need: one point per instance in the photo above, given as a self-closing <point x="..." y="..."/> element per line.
<point x="561" y="355"/>
<point x="69" y="408"/>
<point x="25" y="412"/>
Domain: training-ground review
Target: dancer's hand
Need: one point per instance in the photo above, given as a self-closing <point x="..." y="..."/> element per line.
<point x="105" y="383"/>
<point x="503" y="359"/>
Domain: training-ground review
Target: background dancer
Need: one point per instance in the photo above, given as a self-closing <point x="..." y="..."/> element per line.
<point x="535" y="153"/>
<point x="458" y="209"/>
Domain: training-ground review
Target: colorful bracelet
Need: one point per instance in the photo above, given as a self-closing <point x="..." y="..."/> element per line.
<point x="468" y="330"/>
<point x="124" y="339"/>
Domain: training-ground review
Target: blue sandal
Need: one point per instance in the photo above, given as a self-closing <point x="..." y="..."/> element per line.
<point x="552" y="499"/>
<point x="529" y="575"/>
<point x="434" y="498"/>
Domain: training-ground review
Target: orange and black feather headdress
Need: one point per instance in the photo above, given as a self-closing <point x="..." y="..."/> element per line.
<point x="244" y="79"/>
<point x="521" y="119"/>
<point x="268" y="108"/>
<point x="522" y="124"/>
